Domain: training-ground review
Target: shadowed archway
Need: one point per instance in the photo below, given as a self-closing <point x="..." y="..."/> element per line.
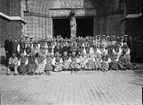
<point x="61" y="27"/>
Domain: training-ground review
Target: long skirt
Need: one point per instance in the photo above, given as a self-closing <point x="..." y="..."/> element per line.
<point x="113" y="66"/>
<point x="83" y="63"/>
<point x="49" y="66"/>
<point x="97" y="65"/>
<point x="40" y="68"/>
<point x="66" y="64"/>
<point x="89" y="65"/>
<point x="31" y="67"/>
<point x="104" y="66"/>
<point x="58" y="67"/>
<point x="22" y="69"/>
<point x="124" y="63"/>
<point x="75" y="65"/>
<point x="126" y="66"/>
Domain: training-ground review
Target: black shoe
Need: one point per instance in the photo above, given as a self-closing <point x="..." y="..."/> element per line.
<point x="36" y="73"/>
<point x="15" y="74"/>
<point x="29" y="74"/>
<point x="7" y="74"/>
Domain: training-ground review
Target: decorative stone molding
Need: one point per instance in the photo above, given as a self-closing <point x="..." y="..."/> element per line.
<point x="12" y="18"/>
<point x="78" y="12"/>
<point x="36" y="14"/>
<point x="71" y="4"/>
<point x="131" y="16"/>
<point x="112" y="13"/>
<point x="134" y="15"/>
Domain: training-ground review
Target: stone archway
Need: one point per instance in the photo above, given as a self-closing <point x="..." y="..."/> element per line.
<point x="40" y="13"/>
<point x="82" y="8"/>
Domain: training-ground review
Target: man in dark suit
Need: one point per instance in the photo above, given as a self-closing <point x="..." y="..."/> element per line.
<point x="8" y="45"/>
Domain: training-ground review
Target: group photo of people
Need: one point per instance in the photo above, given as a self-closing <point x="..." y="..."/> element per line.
<point x="28" y="56"/>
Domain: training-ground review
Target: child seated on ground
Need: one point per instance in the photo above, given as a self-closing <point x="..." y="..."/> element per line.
<point x="66" y="61"/>
<point x="75" y="62"/>
<point x="57" y="62"/>
<point x="48" y="66"/>
<point x="105" y="63"/>
<point x="40" y="62"/>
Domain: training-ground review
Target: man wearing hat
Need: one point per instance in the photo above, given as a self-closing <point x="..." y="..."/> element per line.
<point x="31" y="42"/>
<point x="28" y="44"/>
<point x="15" y="45"/>
<point x="26" y="38"/>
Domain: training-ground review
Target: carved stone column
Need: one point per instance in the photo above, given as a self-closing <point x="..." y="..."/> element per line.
<point x="73" y="24"/>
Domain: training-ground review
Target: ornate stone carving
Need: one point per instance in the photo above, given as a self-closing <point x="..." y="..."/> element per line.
<point x="73" y="24"/>
<point x="79" y="12"/>
<point x="72" y="4"/>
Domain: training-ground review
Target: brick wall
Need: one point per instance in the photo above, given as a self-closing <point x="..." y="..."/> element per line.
<point x="37" y="26"/>
<point x="110" y="13"/>
<point x="4" y="6"/>
<point x="14" y="7"/>
<point x="134" y="25"/>
<point x="13" y="28"/>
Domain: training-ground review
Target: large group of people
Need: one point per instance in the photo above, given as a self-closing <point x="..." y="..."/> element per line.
<point x="29" y="57"/>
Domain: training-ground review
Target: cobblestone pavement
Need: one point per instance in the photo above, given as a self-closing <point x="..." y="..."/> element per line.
<point x="81" y="88"/>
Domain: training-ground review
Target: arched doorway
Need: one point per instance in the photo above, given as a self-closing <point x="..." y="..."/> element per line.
<point x="85" y="26"/>
<point x="61" y="26"/>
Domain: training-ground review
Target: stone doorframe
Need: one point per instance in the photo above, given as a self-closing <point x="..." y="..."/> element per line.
<point x="79" y="12"/>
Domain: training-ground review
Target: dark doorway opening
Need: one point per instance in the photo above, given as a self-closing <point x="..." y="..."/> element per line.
<point x="61" y="27"/>
<point x="85" y="26"/>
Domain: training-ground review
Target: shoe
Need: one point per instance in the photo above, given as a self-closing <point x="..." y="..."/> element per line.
<point x="15" y="74"/>
<point x="35" y="73"/>
<point x="7" y="74"/>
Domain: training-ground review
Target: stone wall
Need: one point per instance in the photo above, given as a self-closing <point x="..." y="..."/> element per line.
<point x="39" y="14"/>
<point x="7" y="27"/>
<point x="39" y="21"/>
<point x="4" y="6"/>
<point x="134" y="25"/>
<point x="37" y="18"/>
<point x="110" y="15"/>
<point x="37" y="26"/>
<point x="112" y="25"/>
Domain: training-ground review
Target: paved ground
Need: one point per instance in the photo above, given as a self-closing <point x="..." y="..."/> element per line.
<point x="82" y="88"/>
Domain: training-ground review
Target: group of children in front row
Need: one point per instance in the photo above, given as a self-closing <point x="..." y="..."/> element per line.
<point x="42" y="61"/>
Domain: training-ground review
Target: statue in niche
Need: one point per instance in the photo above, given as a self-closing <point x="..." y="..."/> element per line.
<point x="73" y="24"/>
